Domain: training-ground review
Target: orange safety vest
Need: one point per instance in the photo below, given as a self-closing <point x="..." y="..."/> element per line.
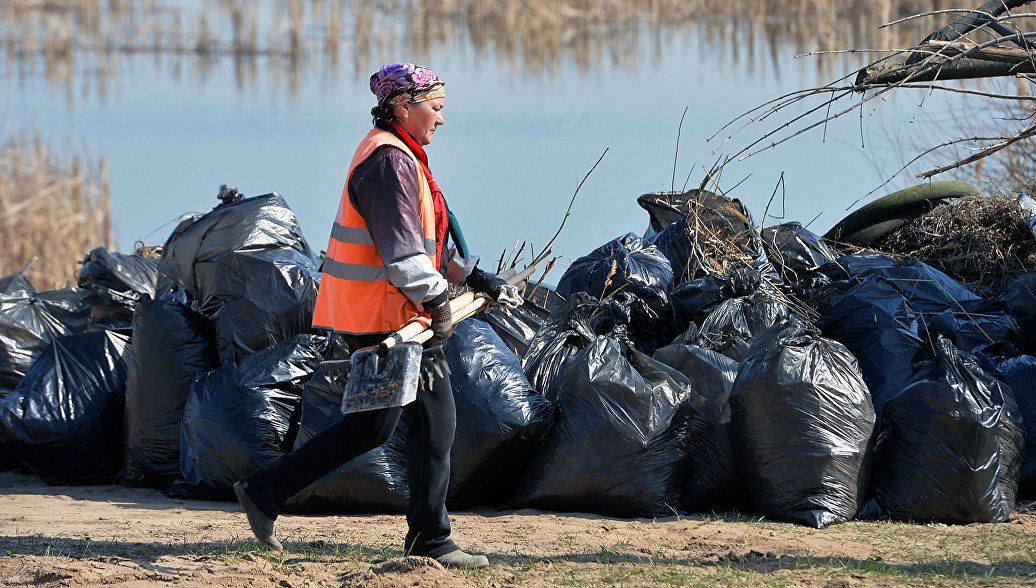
<point x="355" y="294"/>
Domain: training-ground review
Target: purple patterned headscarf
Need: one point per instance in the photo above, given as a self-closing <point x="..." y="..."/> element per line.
<point x="406" y="83"/>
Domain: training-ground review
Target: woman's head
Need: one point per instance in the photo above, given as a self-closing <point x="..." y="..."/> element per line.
<point x="411" y="96"/>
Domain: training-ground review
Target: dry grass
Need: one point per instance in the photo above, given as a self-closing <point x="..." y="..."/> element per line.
<point x="979" y="241"/>
<point x="531" y="36"/>
<point x="51" y="211"/>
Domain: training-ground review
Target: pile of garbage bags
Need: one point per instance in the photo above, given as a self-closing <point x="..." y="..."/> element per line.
<point x="802" y="385"/>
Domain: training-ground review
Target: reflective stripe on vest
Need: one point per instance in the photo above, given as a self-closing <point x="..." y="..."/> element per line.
<point x="355" y="294"/>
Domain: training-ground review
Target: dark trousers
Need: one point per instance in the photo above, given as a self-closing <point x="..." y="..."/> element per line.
<point x="431" y="421"/>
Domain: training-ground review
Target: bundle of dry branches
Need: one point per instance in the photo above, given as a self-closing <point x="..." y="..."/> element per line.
<point x="979" y="241"/>
<point x="989" y="41"/>
<point x="52" y="213"/>
<point x="726" y="239"/>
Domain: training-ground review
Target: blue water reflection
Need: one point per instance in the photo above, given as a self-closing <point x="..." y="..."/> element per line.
<point x="513" y="149"/>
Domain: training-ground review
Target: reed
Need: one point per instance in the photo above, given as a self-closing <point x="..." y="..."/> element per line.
<point x="52" y="213"/>
<point x="534" y="36"/>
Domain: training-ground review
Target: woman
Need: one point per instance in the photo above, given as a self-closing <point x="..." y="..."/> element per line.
<point x="388" y="263"/>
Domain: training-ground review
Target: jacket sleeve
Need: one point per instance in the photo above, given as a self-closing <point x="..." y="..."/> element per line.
<point x="458" y="268"/>
<point x="384" y="190"/>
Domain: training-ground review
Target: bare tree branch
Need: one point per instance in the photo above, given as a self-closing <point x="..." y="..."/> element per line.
<point x="981" y="154"/>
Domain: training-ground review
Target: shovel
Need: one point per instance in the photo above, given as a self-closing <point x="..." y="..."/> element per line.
<point x="384" y="380"/>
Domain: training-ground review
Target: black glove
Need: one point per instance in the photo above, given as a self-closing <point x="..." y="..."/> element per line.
<point x="498" y="290"/>
<point x="442" y="319"/>
<point x="485" y="283"/>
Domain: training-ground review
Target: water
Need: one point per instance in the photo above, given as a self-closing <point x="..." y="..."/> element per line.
<point x="518" y="137"/>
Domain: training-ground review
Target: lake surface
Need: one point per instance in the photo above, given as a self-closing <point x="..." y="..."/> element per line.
<point x="521" y="129"/>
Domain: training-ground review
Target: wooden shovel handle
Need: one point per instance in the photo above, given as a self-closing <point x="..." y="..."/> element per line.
<point x="466" y="305"/>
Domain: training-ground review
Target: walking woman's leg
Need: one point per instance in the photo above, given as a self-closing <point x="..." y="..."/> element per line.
<point x="431" y="421"/>
<point x="320" y="455"/>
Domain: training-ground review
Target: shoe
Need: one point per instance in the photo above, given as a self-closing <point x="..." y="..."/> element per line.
<point x="460" y="559"/>
<point x="262" y="525"/>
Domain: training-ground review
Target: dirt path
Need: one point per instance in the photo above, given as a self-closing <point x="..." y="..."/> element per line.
<point x="93" y="535"/>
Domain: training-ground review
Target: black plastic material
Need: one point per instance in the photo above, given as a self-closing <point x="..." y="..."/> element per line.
<point x="927" y="289"/>
<point x="517" y="326"/>
<point x="243" y="416"/>
<point x="627" y="263"/>
<point x="565" y="333"/>
<point x="678" y="242"/>
<point x="712" y="481"/>
<point x="802" y="422"/>
<point x="693" y="301"/>
<point x="731" y="327"/>
<point x="875" y="322"/>
<point x="545" y="296"/>
<point x="666" y="208"/>
<point x="374" y="482"/>
<point x="646" y="319"/>
<point x="617" y="444"/>
<point x="949" y="445"/>
<point x="501" y="419"/>
<point x="1020" y="298"/>
<point x="16" y="285"/>
<point x="30" y="319"/>
<point x="117" y="281"/>
<point x="1019" y="372"/>
<point x="719" y="217"/>
<point x="973" y="324"/>
<point x="794" y="250"/>
<point x="248" y="268"/>
<point x="172" y="345"/>
<point x="64" y="420"/>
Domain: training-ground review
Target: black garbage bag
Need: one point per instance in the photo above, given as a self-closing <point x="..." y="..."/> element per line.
<point x="30" y="319"/>
<point x="715" y="216"/>
<point x="7" y="462"/>
<point x="64" y="420"/>
<point x="517" y="326"/>
<point x="16" y="286"/>
<point x="627" y="263"/>
<point x="375" y="482"/>
<point x="678" y="242"/>
<point x="501" y="419"/>
<point x="927" y="289"/>
<point x="875" y="322"/>
<point x="975" y="323"/>
<point x="617" y="444"/>
<point x="248" y="268"/>
<point x="794" y="251"/>
<point x="693" y="301"/>
<point x="172" y="345"/>
<point x="802" y="422"/>
<point x="1020" y="298"/>
<point x="1018" y="372"/>
<point x="949" y="445"/>
<point x="686" y="241"/>
<point x="243" y="416"/>
<point x="117" y="282"/>
<point x="731" y="327"/>
<point x="545" y="296"/>
<point x="646" y="319"/>
<point x="561" y="337"/>
<point x="712" y="480"/>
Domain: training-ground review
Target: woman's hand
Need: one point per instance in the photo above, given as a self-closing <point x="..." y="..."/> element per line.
<point x="498" y="290"/>
<point x="442" y="321"/>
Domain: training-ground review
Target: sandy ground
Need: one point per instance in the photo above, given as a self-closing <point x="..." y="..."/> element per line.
<point x="103" y="535"/>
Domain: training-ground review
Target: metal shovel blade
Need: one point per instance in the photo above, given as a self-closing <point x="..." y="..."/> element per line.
<point x="382" y="381"/>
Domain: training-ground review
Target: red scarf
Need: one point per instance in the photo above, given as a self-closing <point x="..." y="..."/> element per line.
<point x="442" y="222"/>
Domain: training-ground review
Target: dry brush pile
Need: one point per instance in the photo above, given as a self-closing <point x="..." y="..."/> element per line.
<point x="978" y="240"/>
<point x="52" y="212"/>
